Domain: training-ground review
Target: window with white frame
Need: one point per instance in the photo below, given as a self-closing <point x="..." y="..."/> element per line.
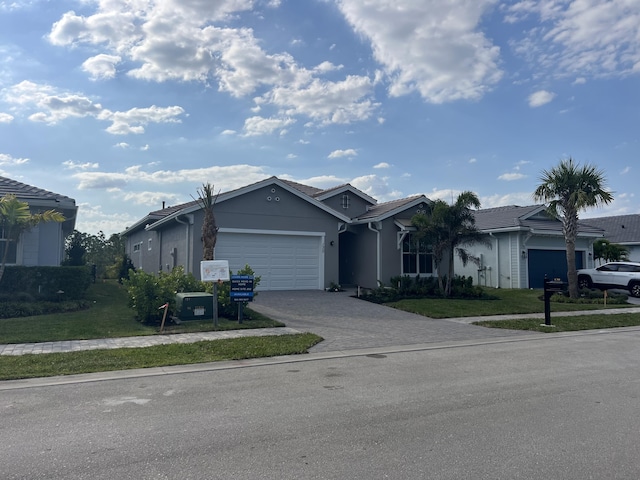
<point x="136" y="247"/>
<point x="346" y="201"/>
<point x="416" y="256"/>
<point x="11" y="246"/>
<point x="149" y="244"/>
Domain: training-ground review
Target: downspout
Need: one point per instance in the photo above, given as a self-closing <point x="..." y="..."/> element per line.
<point x="188" y="255"/>
<point x="378" y="266"/>
<point x="497" y="258"/>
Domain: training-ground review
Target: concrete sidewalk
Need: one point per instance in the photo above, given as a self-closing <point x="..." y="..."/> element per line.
<point x="136" y="342"/>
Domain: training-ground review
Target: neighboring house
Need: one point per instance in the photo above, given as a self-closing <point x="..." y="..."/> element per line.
<point x="527" y="244"/>
<point x="621" y="229"/>
<point x="294" y="236"/>
<point x="43" y="245"/>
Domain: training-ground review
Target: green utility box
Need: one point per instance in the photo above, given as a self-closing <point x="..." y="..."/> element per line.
<point x="194" y="305"/>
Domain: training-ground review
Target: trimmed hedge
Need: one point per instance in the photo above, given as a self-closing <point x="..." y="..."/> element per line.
<point x="44" y="283"/>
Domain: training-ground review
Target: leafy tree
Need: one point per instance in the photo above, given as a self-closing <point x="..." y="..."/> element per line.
<point x="569" y="188"/>
<point x="105" y="254"/>
<point x="207" y="200"/>
<point x="16" y="218"/>
<point x="75" y="249"/>
<point x="448" y="229"/>
<point x="604" y="250"/>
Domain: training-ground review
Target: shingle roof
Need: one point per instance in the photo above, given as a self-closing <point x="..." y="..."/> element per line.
<point x="622" y="229"/>
<point x="382" y="209"/>
<point x="532" y="217"/>
<point x="306" y="189"/>
<point x="27" y="192"/>
<point x="503" y="217"/>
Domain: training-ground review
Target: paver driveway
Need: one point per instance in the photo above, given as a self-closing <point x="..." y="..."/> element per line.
<point x="349" y="323"/>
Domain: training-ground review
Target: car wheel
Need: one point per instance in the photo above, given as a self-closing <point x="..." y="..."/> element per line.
<point x="584" y="282"/>
<point x="634" y="289"/>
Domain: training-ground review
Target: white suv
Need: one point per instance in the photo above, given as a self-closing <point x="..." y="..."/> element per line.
<point x="612" y="275"/>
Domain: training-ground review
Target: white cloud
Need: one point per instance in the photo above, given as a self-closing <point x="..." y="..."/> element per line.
<point x="228" y="132"/>
<point x="102" y="66"/>
<point x="350" y="152"/>
<point x="6" y="159"/>
<point x="515" y="198"/>
<point x="509" y="177"/>
<point x="539" y="98"/>
<point x="382" y="165"/>
<point x="71" y="165"/>
<point x="585" y="37"/>
<point x="473" y="160"/>
<point x="625" y="170"/>
<point x="53" y="106"/>
<point x="6" y="118"/>
<point x="233" y="176"/>
<point x="133" y="120"/>
<point x="435" y="48"/>
<point x="122" y="145"/>
<point x="192" y="41"/>
<point x="263" y="126"/>
<point x="291" y="156"/>
<point x="375" y="186"/>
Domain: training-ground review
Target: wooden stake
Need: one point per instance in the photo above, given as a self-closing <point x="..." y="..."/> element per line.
<point x="164" y="316"/>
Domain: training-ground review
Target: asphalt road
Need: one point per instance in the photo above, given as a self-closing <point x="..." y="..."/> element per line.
<point x="562" y="406"/>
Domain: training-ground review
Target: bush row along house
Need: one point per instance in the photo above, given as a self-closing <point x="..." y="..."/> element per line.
<point x="300" y="237"/>
<point x="43" y="245"/>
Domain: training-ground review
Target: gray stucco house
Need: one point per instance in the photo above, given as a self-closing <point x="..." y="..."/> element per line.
<point x="296" y="237"/>
<point x="620" y="229"/>
<point x="526" y="244"/>
<point x="43" y="245"/>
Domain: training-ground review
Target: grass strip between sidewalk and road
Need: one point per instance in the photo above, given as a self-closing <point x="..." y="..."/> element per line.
<point x="89" y="361"/>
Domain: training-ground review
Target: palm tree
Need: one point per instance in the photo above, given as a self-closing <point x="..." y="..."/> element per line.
<point x="447" y="229"/>
<point x="569" y="188"/>
<point x="207" y="200"/>
<point x="16" y="218"/>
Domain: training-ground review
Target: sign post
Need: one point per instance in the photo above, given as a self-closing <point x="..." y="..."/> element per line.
<point x="241" y="291"/>
<point x="214" y="271"/>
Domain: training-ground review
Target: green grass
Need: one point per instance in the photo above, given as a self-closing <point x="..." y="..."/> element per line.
<point x="51" y="364"/>
<point x="567" y="324"/>
<point x="108" y="317"/>
<point x="509" y="301"/>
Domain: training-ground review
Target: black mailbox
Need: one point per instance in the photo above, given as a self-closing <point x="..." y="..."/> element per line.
<point x="550" y="287"/>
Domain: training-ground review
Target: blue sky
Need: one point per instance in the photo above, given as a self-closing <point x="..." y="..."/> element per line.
<point x="125" y="104"/>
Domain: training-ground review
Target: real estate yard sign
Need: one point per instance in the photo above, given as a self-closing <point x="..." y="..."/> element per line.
<point x="214" y="271"/>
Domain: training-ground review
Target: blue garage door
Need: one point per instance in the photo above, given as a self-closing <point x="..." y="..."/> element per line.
<point x="552" y="263"/>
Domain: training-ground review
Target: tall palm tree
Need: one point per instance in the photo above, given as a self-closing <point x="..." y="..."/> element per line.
<point x="569" y="188"/>
<point x="207" y="200"/>
<point x="15" y="219"/>
<point x="447" y="229"/>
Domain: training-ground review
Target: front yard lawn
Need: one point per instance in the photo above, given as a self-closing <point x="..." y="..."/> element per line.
<point x="508" y="302"/>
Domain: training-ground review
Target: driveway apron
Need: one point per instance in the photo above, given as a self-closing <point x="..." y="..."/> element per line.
<point x="347" y="323"/>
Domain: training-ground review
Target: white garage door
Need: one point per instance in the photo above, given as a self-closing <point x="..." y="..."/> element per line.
<point x="285" y="262"/>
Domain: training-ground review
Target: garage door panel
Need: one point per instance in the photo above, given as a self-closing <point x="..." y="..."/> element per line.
<point x="284" y="262"/>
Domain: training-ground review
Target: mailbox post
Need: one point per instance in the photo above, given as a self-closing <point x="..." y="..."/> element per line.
<point x="551" y="287"/>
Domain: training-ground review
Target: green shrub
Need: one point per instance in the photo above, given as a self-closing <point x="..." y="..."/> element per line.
<point x="45" y="282"/>
<point x="147" y="293"/>
<point x="402" y="287"/>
